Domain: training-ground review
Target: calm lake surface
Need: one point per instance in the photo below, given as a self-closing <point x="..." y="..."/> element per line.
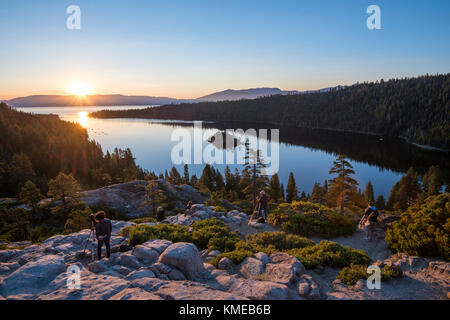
<point x="308" y="153"/>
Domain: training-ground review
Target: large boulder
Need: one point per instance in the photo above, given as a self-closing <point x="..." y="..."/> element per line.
<point x="33" y="277"/>
<point x="182" y="290"/>
<point x="308" y="287"/>
<point x="251" y="267"/>
<point x="145" y="254"/>
<point x="227" y="264"/>
<point x="128" y="260"/>
<point x="251" y="289"/>
<point x="158" y="245"/>
<point x="92" y="287"/>
<point x="184" y="257"/>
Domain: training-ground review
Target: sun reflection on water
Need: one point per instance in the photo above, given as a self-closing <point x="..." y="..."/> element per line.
<point x="83" y="118"/>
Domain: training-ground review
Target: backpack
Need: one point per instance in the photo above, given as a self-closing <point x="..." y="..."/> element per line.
<point x="373" y="216"/>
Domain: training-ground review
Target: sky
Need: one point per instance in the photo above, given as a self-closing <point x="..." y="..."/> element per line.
<point x="190" y="48"/>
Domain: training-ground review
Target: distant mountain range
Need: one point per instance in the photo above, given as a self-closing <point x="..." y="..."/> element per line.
<point x="254" y="93"/>
<point x="122" y="100"/>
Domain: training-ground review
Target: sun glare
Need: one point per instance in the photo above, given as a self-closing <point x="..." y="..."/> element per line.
<point x="80" y="89"/>
<point x="83" y="118"/>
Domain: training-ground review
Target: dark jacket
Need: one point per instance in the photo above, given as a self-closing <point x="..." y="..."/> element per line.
<point x="371" y="213"/>
<point x="103" y="228"/>
<point x="262" y="203"/>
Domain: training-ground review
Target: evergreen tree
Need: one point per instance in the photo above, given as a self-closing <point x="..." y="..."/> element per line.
<point x="20" y="171"/>
<point x="432" y="181"/>
<point x="318" y="194"/>
<point x="31" y="195"/>
<point x="283" y="196"/>
<point x="153" y="196"/>
<point x="405" y="192"/>
<point x="174" y="176"/>
<point x="64" y="188"/>
<point x="291" y="189"/>
<point x="275" y="189"/>
<point x="186" y="178"/>
<point x="380" y="202"/>
<point x="207" y="179"/>
<point x="343" y="186"/>
<point x="368" y="193"/>
<point x="255" y="166"/>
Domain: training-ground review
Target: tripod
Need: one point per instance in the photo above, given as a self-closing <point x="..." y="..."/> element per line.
<point x="91" y="234"/>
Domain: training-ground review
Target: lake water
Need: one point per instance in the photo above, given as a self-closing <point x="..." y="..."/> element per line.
<point x="308" y="153"/>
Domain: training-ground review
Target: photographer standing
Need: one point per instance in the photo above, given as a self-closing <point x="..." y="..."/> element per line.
<point x="103" y="231"/>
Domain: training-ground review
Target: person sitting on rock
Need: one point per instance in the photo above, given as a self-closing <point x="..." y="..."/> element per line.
<point x="188" y="207"/>
<point x="160" y="214"/>
<point x="103" y="231"/>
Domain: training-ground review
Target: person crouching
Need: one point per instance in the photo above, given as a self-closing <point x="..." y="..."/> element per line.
<point x="103" y="231"/>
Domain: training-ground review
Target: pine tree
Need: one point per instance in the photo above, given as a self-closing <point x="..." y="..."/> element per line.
<point x="254" y="164"/>
<point x="368" y="193"/>
<point x="380" y="202"/>
<point x="186" y="178"/>
<point x="64" y="188"/>
<point x="343" y="185"/>
<point x="432" y="181"/>
<point x="405" y="192"/>
<point x="283" y="196"/>
<point x="291" y="189"/>
<point x="153" y="196"/>
<point x="207" y="179"/>
<point x="174" y="176"/>
<point x="20" y="171"/>
<point x="275" y="188"/>
<point x="31" y="195"/>
<point x="318" y="194"/>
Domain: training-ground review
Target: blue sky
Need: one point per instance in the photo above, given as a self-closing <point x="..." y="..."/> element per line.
<point x="190" y="48"/>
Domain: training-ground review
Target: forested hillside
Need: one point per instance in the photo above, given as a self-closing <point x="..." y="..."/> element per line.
<point x="416" y="109"/>
<point x="38" y="147"/>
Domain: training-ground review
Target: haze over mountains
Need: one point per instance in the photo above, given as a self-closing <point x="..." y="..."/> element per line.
<point x="121" y="100"/>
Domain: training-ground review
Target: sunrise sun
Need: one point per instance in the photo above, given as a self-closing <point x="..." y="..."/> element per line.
<point x="80" y="89"/>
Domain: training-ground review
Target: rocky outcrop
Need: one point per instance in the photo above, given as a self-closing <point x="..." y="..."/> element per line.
<point x="128" y="197"/>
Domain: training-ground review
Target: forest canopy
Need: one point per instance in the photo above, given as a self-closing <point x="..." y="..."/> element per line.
<point x="37" y="148"/>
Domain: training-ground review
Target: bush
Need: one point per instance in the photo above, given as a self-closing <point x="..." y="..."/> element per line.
<point x="143" y="233"/>
<point x="214" y="234"/>
<point x="331" y="254"/>
<point x="307" y="218"/>
<point x="143" y="220"/>
<point x="237" y="256"/>
<point x="277" y="240"/>
<point x="350" y="275"/>
<point x="423" y="230"/>
<point x="206" y="234"/>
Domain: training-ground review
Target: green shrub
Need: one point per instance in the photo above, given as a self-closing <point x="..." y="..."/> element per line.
<point x="278" y="240"/>
<point x="331" y="254"/>
<point x="142" y="233"/>
<point x="307" y="218"/>
<point x="213" y="234"/>
<point x="219" y="209"/>
<point x="423" y="230"/>
<point x="206" y="234"/>
<point x="350" y="275"/>
<point x="237" y="256"/>
<point x="143" y="220"/>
